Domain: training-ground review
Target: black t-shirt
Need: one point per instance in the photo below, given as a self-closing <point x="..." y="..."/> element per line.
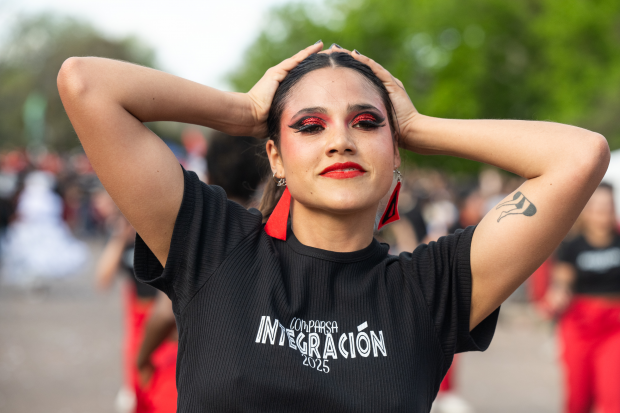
<point x="597" y="269"/>
<point x="275" y="326"/>
<point x="142" y="290"/>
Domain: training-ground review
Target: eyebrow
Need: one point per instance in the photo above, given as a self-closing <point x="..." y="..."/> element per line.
<point x="316" y="109"/>
<point x="360" y="107"/>
<point x="350" y="108"/>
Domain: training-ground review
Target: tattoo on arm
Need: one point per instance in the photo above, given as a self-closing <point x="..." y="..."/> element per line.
<point x="519" y="205"/>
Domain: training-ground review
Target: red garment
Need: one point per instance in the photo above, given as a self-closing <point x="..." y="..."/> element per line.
<point x="160" y="393"/>
<point x="448" y="381"/>
<point x="590" y="340"/>
<point x="136" y="314"/>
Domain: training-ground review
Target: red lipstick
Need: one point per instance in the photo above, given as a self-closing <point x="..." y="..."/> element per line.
<point x="343" y="170"/>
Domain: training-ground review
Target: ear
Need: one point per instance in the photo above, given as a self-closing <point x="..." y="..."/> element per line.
<point x="396" y="156"/>
<point x="275" y="160"/>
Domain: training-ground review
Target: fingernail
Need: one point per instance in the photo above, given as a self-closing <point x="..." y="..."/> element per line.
<point x="355" y="50"/>
<point x="319" y="42"/>
<point x="334" y="44"/>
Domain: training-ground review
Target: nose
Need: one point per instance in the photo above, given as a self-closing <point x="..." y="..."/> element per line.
<point x="340" y="142"/>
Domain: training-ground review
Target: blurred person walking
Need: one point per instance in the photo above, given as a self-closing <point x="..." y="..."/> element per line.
<point x="316" y="315"/>
<point x="138" y="300"/>
<point x="585" y="293"/>
<point x="234" y="165"/>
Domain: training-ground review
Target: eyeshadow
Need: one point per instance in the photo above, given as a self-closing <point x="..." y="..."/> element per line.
<point x="365" y="117"/>
<point x="312" y="121"/>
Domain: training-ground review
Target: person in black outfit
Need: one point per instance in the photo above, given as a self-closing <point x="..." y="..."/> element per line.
<point x="295" y="306"/>
<point x="585" y="294"/>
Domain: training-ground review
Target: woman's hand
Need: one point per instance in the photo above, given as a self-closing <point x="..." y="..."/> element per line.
<point x="404" y="110"/>
<point x="557" y="300"/>
<point x="261" y="95"/>
<point x="145" y="373"/>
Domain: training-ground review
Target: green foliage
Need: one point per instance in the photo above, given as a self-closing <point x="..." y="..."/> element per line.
<point x="531" y="59"/>
<point x="29" y="65"/>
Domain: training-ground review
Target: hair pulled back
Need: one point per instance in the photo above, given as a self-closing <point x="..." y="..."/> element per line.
<point x="272" y="192"/>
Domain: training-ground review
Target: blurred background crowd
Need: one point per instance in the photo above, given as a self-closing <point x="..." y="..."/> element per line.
<point x="61" y="343"/>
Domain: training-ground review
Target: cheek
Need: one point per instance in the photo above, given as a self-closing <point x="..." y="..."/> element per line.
<point x="380" y="151"/>
<point x="298" y="154"/>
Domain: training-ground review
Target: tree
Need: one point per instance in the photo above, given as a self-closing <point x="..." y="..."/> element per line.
<point x="31" y="112"/>
<point x="543" y="59"/>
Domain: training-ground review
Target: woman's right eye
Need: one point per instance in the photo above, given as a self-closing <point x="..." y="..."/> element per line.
<point x="311" y="125"/>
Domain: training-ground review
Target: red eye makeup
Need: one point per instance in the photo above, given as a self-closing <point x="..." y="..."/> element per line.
<point x="313" y="121"/>
<point x="314" y="124"/>
<point x="309" y="124"/>
<point x="367" y="121"/>
<point x="365" y="117"/>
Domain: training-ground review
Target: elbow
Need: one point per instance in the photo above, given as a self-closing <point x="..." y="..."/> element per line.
<point x="598" y="154"/>
<point x="590" y="159"/>
<point x="71" y="80"/>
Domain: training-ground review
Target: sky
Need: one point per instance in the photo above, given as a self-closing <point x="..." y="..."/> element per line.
<point x="198" y="40"/>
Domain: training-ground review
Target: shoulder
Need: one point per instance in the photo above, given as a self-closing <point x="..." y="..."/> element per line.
<point x="446" y="253"/>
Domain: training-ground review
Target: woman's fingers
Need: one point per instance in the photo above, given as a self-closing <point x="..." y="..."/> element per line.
<point x="380" y="71"/>
<point x="261" y="95"/>
<point x="404" y="110"/>
<point x="289" y="64"/>
<point x="334" y="48"/>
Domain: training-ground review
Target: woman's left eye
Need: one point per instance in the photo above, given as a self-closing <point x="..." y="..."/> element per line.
<point x="366" y="121"/>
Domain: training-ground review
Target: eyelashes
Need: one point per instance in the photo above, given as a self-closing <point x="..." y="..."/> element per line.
<point x="368" y="121"/>
<point x="314" y="124"/>
<point x="308" y="124"/>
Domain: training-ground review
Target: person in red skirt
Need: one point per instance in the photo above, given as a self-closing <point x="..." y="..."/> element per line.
<point x="138" y="298"/>
<point x="585" y="292"/>
<point x="156" y="360"/>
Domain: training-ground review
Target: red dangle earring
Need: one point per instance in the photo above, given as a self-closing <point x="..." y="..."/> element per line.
<point x="278" y="220"/>
<point x="391" y="210"/>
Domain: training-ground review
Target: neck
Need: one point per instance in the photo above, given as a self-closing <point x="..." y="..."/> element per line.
<point x="332" y="232"/>
<point x="598" y="237"/>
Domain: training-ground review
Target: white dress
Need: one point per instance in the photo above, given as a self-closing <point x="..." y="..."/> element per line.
<point x="38" y="244"/>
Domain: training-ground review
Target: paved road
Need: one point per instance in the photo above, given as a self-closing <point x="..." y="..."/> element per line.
<point x="60" y="353"/>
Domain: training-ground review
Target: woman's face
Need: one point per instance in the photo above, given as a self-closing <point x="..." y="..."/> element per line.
<point x="599" y="214"/>
<point x="336" y="146"/>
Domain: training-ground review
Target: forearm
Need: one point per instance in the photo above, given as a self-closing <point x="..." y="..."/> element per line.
<point x="159" y="326"/>
<point x="526" y="148"/>
<point x="109" y="261"/>
<point x="151" y="95"/>
<point x="156" y="331"/>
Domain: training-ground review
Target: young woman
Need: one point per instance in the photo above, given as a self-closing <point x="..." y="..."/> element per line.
<point x="308" y="312"/>
<point x="586" y="293"/>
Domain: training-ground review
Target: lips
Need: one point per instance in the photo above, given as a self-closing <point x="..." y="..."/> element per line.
<point x="343" y="170"/>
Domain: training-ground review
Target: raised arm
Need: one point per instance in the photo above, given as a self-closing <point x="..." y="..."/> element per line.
<point x="108" y="100"/>
<point x="563" y="166"/>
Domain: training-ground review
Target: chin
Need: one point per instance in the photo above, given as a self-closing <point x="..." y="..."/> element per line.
<point x="348" y="201"/>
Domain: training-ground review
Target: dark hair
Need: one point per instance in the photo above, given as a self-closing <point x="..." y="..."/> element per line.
<point x="234" y="163"/>
<point x="272" y="193"/>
